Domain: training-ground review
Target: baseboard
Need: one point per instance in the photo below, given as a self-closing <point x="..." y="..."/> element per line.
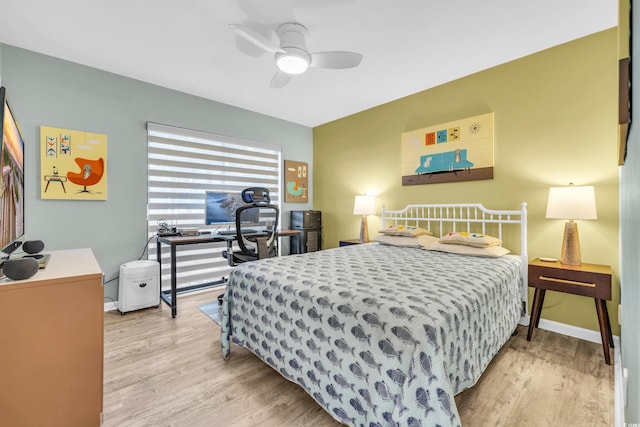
<point x="594" y="336"/>
<point x="619" y="398"/>
<point x="574" y="331"/>
<point x="111" y="305"/>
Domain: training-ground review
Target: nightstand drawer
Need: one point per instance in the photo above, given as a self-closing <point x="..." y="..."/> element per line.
<point x="579" y="280"/>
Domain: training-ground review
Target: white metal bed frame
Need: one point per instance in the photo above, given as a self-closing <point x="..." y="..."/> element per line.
<point x="466" y="217"/>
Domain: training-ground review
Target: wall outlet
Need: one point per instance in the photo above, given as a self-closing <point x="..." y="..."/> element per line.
<point x="619" y="314"/>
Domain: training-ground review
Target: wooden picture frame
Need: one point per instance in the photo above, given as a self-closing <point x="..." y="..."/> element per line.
<point x="624" y="107"/>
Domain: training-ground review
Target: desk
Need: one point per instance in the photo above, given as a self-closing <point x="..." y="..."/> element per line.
<point x="170" y="296"/>
<point x="291" y="233"/>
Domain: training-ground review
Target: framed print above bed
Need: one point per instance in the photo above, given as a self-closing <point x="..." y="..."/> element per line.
<point x="460" y="150"/>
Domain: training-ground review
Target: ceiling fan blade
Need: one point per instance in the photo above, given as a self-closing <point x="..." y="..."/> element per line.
<point x="256" y="38"/>
<point x="280" y="80"/>
<point x="337" y="59"/>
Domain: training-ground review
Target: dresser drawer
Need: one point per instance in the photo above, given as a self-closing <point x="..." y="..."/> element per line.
<point x="578" y="280"/>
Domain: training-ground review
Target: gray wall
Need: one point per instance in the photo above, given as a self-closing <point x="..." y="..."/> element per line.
<point x="629" y="238"/>
<point x="46" y="91"/>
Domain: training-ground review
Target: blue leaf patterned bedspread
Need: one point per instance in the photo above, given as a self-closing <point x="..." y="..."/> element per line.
<point x="378" y="335"/>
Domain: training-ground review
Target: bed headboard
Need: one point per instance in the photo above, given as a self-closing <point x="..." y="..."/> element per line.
<point x="471" y="217"/>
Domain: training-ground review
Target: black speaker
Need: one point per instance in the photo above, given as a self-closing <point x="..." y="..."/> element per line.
<point x="33" y="246"/>
<point x="20" y="269"/>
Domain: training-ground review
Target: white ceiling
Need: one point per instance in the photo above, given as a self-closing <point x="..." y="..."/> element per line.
<point x="407" y="45"/>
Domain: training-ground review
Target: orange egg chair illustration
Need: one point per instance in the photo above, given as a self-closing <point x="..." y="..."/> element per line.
<point x="91" y="172"/>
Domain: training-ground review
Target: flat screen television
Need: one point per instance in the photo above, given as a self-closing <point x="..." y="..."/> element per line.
<point x="12" y="181"/>
<point x="220" y="209"/>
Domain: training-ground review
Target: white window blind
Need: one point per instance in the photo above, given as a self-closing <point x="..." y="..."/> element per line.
<point x="182" y="165"/>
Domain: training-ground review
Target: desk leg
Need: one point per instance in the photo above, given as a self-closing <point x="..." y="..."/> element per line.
<point x="174" y="302"/>
<point x="159" y="259"/>
<point x="230" y="260"/>
<point x="536" y="309"/>
<point x="605" y="331"/>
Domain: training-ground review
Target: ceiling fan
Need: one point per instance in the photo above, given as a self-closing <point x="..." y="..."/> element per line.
<point x="291" y="55"/>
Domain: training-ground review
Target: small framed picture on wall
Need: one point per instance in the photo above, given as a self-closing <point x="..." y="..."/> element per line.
<point x="296" y="178"/>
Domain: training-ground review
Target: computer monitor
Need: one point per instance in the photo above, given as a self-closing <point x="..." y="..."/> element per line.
<point x="220" y="209"/>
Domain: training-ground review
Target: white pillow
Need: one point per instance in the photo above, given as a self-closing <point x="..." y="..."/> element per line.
<point x="405" y="230"/>
<point x="427" y="240"/>
<point x="477" y="240"/>
<point x="421" y="241"/>
<point x="491" y="251"/>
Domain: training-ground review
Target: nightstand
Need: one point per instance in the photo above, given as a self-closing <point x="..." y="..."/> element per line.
<point x="589" y="280"/>
<point x="349" y="242"/>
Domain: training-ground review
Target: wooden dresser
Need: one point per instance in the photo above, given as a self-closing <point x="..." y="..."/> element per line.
<point x="51" y="351"/>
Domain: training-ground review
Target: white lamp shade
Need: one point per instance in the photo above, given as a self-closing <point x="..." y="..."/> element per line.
<point x="364" y="205"/>
<point x="572" y="202"/>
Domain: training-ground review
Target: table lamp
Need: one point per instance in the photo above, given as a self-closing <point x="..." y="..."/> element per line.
<point x="364" y="206"/>
<point x="571" y="203"/>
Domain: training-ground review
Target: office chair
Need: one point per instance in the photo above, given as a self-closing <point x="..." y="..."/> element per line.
<point x="254" y="243"/>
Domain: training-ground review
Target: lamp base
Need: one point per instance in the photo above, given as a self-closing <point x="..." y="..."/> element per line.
<point x="570" y="245"/>
<point x="364" y="230"/>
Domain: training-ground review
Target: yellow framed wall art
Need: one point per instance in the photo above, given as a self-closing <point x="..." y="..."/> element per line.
<point x="73" y="164"/>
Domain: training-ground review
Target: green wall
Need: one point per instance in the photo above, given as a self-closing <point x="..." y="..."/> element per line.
<point x="46" y="91"/>
<point x="555" y="123"/>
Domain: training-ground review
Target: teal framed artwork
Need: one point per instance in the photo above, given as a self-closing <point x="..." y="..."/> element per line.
<point x="460" y="150"/>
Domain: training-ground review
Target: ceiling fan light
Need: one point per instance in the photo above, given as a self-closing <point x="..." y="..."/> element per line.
<point x="291" y="63"/>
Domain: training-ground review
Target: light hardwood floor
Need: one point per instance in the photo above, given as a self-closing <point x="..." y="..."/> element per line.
<point x="163" y="371"/>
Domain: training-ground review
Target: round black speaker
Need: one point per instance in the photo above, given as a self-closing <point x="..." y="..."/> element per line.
<point x="33" y="246"/>
<point x="20" y="269"/>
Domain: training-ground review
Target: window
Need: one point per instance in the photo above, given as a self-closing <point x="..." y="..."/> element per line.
<point x="183" y="165"/>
